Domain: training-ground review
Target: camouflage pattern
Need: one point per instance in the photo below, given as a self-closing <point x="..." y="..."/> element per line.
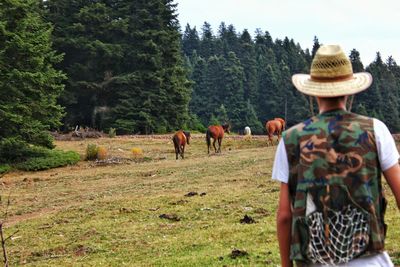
<point x="336" y="148"/>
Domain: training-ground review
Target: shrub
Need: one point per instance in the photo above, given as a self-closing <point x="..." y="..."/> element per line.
<point x="112" y="132"/>
<point x="49" y="159"/>
<point x="101" y="153"/>
<point x="4" y="168"/>
<point x="161" y="129"/>
<point x="195" y="125"/>
<point x="137" y="152"/>
<point x="91" y="151"/>
<point x="13" y="149"/>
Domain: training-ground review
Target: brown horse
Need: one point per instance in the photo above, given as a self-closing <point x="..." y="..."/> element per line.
<point x="216" y="132"/>
<point x="273" y="127"/>
<point x="180" y="138"/>
<point x="283" y="123"/>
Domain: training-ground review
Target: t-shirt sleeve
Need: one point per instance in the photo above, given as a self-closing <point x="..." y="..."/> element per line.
<point x="387" y="150"/>
<point x="280" y="169"/>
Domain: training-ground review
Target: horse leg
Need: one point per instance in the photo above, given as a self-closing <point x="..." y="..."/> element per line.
<point x="176" y="150"/>
<point x="214" y="145"/>
<point x="183" y="151"/>
<point x="208" y="140"/>
<point x="219" y="144"/>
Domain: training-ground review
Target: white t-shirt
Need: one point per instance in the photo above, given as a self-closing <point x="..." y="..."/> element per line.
<point x="388" y="157"/>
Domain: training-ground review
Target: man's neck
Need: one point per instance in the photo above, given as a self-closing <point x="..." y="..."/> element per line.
<point x="327" y="104"/>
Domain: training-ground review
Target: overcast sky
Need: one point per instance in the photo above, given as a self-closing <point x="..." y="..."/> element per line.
<point x="367" y="25"/>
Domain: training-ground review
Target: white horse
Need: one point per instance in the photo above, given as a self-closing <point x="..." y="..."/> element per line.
<point x="247" y="131"/>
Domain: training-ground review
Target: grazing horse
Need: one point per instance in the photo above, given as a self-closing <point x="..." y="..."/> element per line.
<point x="273" y="127"/>
<point x="180" y="138"/>
<point x="216" y="132"/>
<point x="247" y="131"/>
<point x="283" y="123"/>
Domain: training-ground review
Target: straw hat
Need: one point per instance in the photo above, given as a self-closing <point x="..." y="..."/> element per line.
<point x="331" y="75"/>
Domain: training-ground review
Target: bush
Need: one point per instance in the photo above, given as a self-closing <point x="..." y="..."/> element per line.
<point x="137" y="152"/>
<point x="194" y="124"/>
<point x="49" y="159"/>
<point x="13" y="149"/>
<point x="161" y="129"/>
<point x="4" y="168"/>
<point x="91" y="151"/>
<point x="101" y="153"/>
<point x="112" y="132"/>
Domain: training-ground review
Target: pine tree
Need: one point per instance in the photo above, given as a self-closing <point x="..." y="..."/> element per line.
<point x="207" y="43"/>
<point x="199" y="99"/>
<point x="29" y="84"/>
<point x="385" y="84"/>
<point x="88" y="33"/>
<point x="232" y="91"/>
<point x="214" y="86"/>
<point x="371" y="98"/>
<point x="251" y="119"/>
<point x="315" y="47"/>
<point x="175" y="86"/>
<point x="222" y="115"/>
<point x="229" y="39"/>
<point x="356" y="61"/>
<point x="357" y="67"/>
<point x="190" y="41"/>
<point x="123" y="57"/>
<point x="214" y="120"/>
<point x="247" y="58"/>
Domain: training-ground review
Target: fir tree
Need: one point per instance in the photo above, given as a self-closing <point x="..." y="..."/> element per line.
<point x="207" y="44"/>
<point x="190" y="41"/>
<point x="315" y="47"/>
<point x="222" y="115"/>
<point x="232" y="93"/>
<point x="356" y="61"/>
<point x="123" y="56"/>
<point x="251" y="120"/>
<point x="88" y="34"/>
<point x="248" y="60"/>
<point x="385" y="84"/>
<point x="29" y="84"/>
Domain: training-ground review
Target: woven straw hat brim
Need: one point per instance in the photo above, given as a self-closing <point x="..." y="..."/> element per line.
<point x="358" y="83"/>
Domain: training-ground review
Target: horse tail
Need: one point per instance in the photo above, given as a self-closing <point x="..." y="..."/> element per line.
<point x="208" y="139"/>
<point x="176" y="143"/>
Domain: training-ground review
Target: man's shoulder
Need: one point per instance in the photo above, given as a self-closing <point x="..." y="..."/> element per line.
<point x="363" y="117"/>
<point x="295" y="130"/>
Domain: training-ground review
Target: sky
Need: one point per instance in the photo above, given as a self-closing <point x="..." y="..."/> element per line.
<point x="366" y="25"/>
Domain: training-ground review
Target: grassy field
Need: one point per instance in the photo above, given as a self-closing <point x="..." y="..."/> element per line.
<point x="152" y="210"/>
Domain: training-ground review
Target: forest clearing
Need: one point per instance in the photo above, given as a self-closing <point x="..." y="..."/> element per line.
<point x="148" y="209"/>
<point x="107" y="75"/>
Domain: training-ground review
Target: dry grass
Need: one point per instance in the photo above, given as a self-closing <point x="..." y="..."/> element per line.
<point x="108" y="213"/>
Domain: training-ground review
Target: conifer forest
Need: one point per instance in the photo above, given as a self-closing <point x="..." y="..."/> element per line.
<point x="131" y="66"/>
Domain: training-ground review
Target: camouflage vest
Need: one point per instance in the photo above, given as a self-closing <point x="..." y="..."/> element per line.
<point x="333" y="158"/>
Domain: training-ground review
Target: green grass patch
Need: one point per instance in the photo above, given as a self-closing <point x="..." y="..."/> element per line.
<point x="110" y="215"/>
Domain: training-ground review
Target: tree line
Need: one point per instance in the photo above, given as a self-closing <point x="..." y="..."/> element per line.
<point x="128" y="65"/>
<point x="259" y="69"/>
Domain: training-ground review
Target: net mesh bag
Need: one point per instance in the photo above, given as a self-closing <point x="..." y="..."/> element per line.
<point x="338" y="237"/>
